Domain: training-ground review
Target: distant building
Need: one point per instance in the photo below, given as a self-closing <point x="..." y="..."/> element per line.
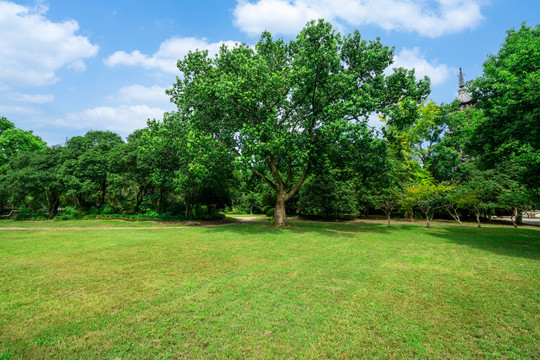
<point x="465" y="100"/>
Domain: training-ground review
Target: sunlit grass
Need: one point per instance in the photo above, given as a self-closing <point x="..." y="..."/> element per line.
<point x="251" y="291"/>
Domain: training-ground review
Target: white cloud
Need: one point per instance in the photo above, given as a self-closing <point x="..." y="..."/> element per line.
<point x="428" y="18"/>
<point x="168" y="54"/>
<point x="273" y="15"/>
<point x="122" y="119"/>
<point x="29" y="98"/>
<point x="32" y="47"/>
<point x="414" y="59"/>
<point x="137" y="93"/>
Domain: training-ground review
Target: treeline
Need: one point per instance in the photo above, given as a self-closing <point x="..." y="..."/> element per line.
<point x="252" y="134"/>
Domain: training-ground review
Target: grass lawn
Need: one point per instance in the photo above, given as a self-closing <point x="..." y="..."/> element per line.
<point x="251" y="291"/>
<point x="88" y="224"/>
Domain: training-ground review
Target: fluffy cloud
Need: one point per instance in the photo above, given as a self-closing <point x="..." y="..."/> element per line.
<point x="139" y="93"/>
<point x="414" y="59"/>
<point x="29" y="98"/>
<point x="168" y="54"/>
<point x="32" y="47"/>
<point x="429" y="18"/>
<point x="122" y="119"/>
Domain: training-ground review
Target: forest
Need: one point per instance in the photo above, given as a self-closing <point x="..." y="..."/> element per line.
<point x="282" y="129"/>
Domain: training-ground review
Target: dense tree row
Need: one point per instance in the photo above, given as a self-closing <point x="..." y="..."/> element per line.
<point x="284" y="126"/>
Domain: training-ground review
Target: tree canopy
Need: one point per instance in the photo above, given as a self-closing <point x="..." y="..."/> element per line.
<point x="279" y="106"/>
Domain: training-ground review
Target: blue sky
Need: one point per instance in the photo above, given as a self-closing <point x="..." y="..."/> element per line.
<point x="67" y="67"/>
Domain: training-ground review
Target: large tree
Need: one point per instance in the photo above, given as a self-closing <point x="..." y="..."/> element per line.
<point x="278" y="105"/>
<point x="508" y="92"/>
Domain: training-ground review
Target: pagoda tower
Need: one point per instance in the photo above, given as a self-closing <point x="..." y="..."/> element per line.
<point x="465" y="100"/>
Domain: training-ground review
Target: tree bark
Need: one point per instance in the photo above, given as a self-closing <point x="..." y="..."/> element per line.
<point x="140" y="197"/>
<point x="388" y="215"/>
<point x="428" y="221"/>
<point x="280" y="215"/>
<point x="479" y="224"/>
<point x="103" y="193"/>
<point x="280" y="187"/>
<point x="514" y="217"/>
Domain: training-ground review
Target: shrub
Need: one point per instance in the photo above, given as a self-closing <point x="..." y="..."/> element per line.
<point x="270" y="212"/>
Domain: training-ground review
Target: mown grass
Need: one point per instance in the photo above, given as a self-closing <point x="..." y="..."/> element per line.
<point x="251" y="291"/>
<point x="90" y="223"/>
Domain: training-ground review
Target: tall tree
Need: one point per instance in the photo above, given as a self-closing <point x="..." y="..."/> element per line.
<point x="509" y="93"/>
<point x="274" y="105"/>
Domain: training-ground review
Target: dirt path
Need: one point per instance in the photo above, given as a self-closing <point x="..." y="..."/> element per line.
<point x="237" y="220"/>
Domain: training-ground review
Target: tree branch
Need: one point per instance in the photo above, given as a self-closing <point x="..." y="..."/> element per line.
<point x="291" y="193"/>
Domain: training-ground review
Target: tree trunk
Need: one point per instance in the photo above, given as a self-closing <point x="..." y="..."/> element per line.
<point x="140" y="198"/>
<point x="103" y="193"/>
<point x="280" y="215"/>
<point x="388" y="219"/>
<point x="479" y="224"/>
<point x="53" y="206"/>
<point x="514" y="216"/>
<point x="428" y="221"/>
<point x="454" y="213"/>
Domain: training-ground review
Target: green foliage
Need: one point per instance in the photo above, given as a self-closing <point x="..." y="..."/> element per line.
<point x="36" y="177"/>
<point x="88" y="168"/>
<point x="270" y="212"/>
<point x="328" y="195"/>
<point x="415" y="140"/>
<point x="427" y="197"/>
<point x="201" y="168"/>
<point x="509" y="93"/>
<point x="14" y="140"/>
<point x="266" y="208"/>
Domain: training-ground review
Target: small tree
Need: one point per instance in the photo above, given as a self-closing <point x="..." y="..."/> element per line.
<point x="517" y="198"/>
<point x="428" y="198"/>
<point x="458" y="198"/>
<point x="387" y="200"/>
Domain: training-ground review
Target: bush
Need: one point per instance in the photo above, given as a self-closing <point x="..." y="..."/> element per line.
<point x="265" y="209"/>
<point x="270" y="212"/>
<point x="67" y="213"/>
<point x="22" y="214"/>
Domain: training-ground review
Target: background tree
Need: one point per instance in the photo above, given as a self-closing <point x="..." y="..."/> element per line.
<point x="14" y="140"/>
<point x="187" y="161"/>
<point x="272" y="106"/>
<point x="130" y="177"/>
<point x="508" y="92"/>
<point x="88" y="167"/>
<point x="37" y="175"/>
<point x="328" y="195"/>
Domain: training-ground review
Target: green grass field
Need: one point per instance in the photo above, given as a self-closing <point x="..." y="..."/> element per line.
<point x="313" y="290"/>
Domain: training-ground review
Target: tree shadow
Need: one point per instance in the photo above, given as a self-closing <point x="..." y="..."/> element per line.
<point x="315" y="227"/>
<point x="507" y="241"/>
<point x="521" y="242"/>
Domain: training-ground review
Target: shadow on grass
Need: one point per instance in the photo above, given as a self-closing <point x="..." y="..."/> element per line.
<point x="523" y="243"/>
<point x="320" y="228"/>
